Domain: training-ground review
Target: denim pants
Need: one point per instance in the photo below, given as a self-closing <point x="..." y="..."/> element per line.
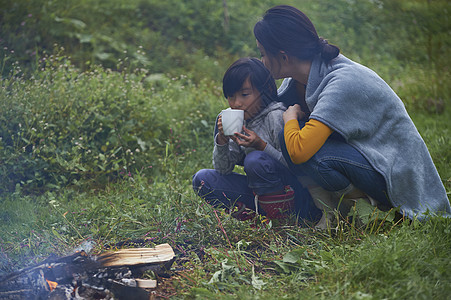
<point x="264" y="175"/>
<point x="337" y="166"/>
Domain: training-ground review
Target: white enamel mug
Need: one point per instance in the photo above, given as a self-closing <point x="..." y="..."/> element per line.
<point x="232" y="121"/>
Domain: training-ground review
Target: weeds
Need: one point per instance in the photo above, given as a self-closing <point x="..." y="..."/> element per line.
<point x="229" y="257"/>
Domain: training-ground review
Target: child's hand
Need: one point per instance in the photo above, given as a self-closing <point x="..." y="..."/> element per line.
<point x="222" y="139"/>
<point x="251" y="139"/>
<point x="293" y="113"/>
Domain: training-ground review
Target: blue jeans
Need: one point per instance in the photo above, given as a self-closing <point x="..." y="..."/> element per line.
<point x="337" y="166"/>
<point x="264" y="175"/>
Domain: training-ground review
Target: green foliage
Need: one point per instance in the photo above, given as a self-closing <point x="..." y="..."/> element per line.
<point x="406" y="42"/>
<point x="161" y="36"/>
<point x="435" y="130"/>
<point x="62" y="125"/>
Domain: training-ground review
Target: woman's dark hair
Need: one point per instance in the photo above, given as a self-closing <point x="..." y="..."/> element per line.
<point x="258" y="74"/>
<point x="285" y="28"/>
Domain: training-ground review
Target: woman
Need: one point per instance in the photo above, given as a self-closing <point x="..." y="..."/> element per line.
<point x="357" y="135"/>
<point x="249" y="86"/>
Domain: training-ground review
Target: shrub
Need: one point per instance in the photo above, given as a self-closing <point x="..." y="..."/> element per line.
<point x="62" y="125"/>
<point x="157" y="35"/>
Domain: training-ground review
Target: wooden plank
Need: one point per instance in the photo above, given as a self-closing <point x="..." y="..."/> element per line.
<point x="135" y="256"/>
<point x="146" y="283"/>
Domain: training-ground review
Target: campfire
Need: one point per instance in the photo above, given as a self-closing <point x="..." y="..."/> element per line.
<point x="111" y="275"/>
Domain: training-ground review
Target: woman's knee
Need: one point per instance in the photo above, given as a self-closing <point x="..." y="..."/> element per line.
<point x="328" y="176"/>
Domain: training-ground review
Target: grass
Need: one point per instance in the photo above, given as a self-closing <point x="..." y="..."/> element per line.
<point x="435" y="130"/>
<point x="221" y="258"/>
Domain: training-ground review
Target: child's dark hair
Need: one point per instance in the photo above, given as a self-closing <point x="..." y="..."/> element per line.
<point x="259" y="76"/>
<point x="286" y="28"/>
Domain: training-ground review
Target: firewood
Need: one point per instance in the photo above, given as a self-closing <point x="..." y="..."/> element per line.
<point x="110" y="274"/>
<point x="146" y="283"/>
<point x="135" y="256"/>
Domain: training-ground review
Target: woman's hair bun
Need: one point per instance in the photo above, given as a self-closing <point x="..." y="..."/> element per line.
<point x="328" y="51"/>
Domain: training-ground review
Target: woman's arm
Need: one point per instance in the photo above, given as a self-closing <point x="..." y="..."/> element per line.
<point x="303" y="143"/>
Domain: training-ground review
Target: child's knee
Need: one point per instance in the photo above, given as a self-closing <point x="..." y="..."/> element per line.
<point x="254" y="163"/>
<point x="200" y="179"/>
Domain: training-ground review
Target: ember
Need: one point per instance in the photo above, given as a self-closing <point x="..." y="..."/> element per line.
<point x="113" y="275"/>
<point x="52" y="284"/>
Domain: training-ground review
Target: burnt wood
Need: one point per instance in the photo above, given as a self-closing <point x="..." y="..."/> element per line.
<point x="81" y="276"/>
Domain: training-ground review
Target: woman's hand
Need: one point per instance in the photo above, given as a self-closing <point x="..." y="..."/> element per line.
<point x="251" y="139"/>
<point x="293" y="113"/>
<point x="221" y="139"/>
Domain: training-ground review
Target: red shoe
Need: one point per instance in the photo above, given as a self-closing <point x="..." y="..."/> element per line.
<point x="243" y="213"/>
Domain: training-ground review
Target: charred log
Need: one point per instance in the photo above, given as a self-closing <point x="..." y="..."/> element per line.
<point x="80" y="276"/>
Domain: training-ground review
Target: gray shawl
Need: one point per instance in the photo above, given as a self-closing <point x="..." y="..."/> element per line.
<point x="354" y="101"/>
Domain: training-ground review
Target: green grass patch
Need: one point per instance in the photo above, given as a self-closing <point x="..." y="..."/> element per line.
<point x="218" y="256"/>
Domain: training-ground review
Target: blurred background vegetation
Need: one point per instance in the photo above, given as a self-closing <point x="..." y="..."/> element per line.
<point x="95" y="89"/>
<point x="193" y="37"/>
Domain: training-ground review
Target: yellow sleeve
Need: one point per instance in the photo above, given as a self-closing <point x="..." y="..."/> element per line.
<point x="303" y="143"/>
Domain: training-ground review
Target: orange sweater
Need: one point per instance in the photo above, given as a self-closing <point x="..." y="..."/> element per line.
<point x="303" y="143"/>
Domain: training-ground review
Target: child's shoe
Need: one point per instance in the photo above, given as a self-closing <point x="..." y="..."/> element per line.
<point x="243" y="213"/>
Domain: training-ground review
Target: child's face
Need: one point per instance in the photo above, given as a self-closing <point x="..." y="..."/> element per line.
<point x="247" y="99"/>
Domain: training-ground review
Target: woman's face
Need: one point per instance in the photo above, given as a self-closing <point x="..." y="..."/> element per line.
<point x="271" y="63"/>
<point x="248" y="99"/>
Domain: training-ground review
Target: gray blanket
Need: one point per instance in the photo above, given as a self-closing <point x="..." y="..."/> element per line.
<point x="354" y="101"/>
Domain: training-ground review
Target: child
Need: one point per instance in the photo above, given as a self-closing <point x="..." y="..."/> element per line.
<point x="249" y="86"/>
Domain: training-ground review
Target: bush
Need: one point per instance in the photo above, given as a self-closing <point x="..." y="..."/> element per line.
<point x="157" y="35"/>
<point x="62" y="125"/>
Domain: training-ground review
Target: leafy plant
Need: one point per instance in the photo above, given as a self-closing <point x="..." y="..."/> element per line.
<point x="63" y="125"/>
